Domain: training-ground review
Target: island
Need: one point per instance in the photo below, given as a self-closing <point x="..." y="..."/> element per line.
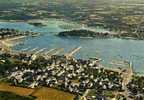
<point x="37" y="24"/>
<point x="84" y="33"/>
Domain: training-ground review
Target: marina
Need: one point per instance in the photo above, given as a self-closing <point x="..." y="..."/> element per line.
<point x="106" y="49"/>
<point x="64" y="72"/>
<point x="71" y="50"/>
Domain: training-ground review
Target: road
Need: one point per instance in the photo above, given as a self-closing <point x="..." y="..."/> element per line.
<point x="85" y="94"/>
<point x="127" y="76"/>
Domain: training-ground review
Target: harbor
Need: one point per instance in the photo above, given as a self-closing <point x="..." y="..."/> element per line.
<point x="39" y="70"/>
<point x="107" y="49"/>
<point x="71" y="50"/>
<point x="40" y="67"/>
<point x="83" y="74"/>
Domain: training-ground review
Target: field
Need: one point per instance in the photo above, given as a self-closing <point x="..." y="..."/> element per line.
<point x="52" y="94"/>
<point x="41" y="94"/>
<point x="17" y="90"/>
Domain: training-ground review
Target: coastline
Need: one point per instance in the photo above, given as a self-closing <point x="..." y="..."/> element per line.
<point x="118" y="72"/>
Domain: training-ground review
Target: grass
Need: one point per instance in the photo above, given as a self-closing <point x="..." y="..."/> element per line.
<point x="41" y="94"/>
<point x="13" y="96"/>
<point x="17" y="90"/>
<point x="52" y="94"/>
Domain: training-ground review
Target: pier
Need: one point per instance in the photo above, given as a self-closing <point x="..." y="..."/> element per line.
<point x="34" y="56"/>
<point x="72" y="52"/>
<point x="51" y="52"/>
<point x="125" y="74"/>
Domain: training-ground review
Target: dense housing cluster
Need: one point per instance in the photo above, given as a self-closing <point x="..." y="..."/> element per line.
<point x="72" y="75"/>
<point x="136" y="87"/>
<point x="68" y="74"/>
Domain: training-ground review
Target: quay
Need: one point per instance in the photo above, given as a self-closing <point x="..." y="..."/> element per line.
<point x="59" y="65"/>
<point x="77" y="76"/>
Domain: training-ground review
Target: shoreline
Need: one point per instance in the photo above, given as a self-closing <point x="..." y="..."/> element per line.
<point x="111" y="33"/>
<point x="118" y="72"/>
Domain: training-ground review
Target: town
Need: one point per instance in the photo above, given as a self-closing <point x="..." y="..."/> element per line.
<point x="65" y="73"/>
<point x="71" y="49"/>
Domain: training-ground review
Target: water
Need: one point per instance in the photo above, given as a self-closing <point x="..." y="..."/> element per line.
<point x="107" y="49"/>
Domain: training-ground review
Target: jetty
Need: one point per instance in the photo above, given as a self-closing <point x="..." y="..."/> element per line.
<point x="59" y="64"/>
<point x="72" y="52"/>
